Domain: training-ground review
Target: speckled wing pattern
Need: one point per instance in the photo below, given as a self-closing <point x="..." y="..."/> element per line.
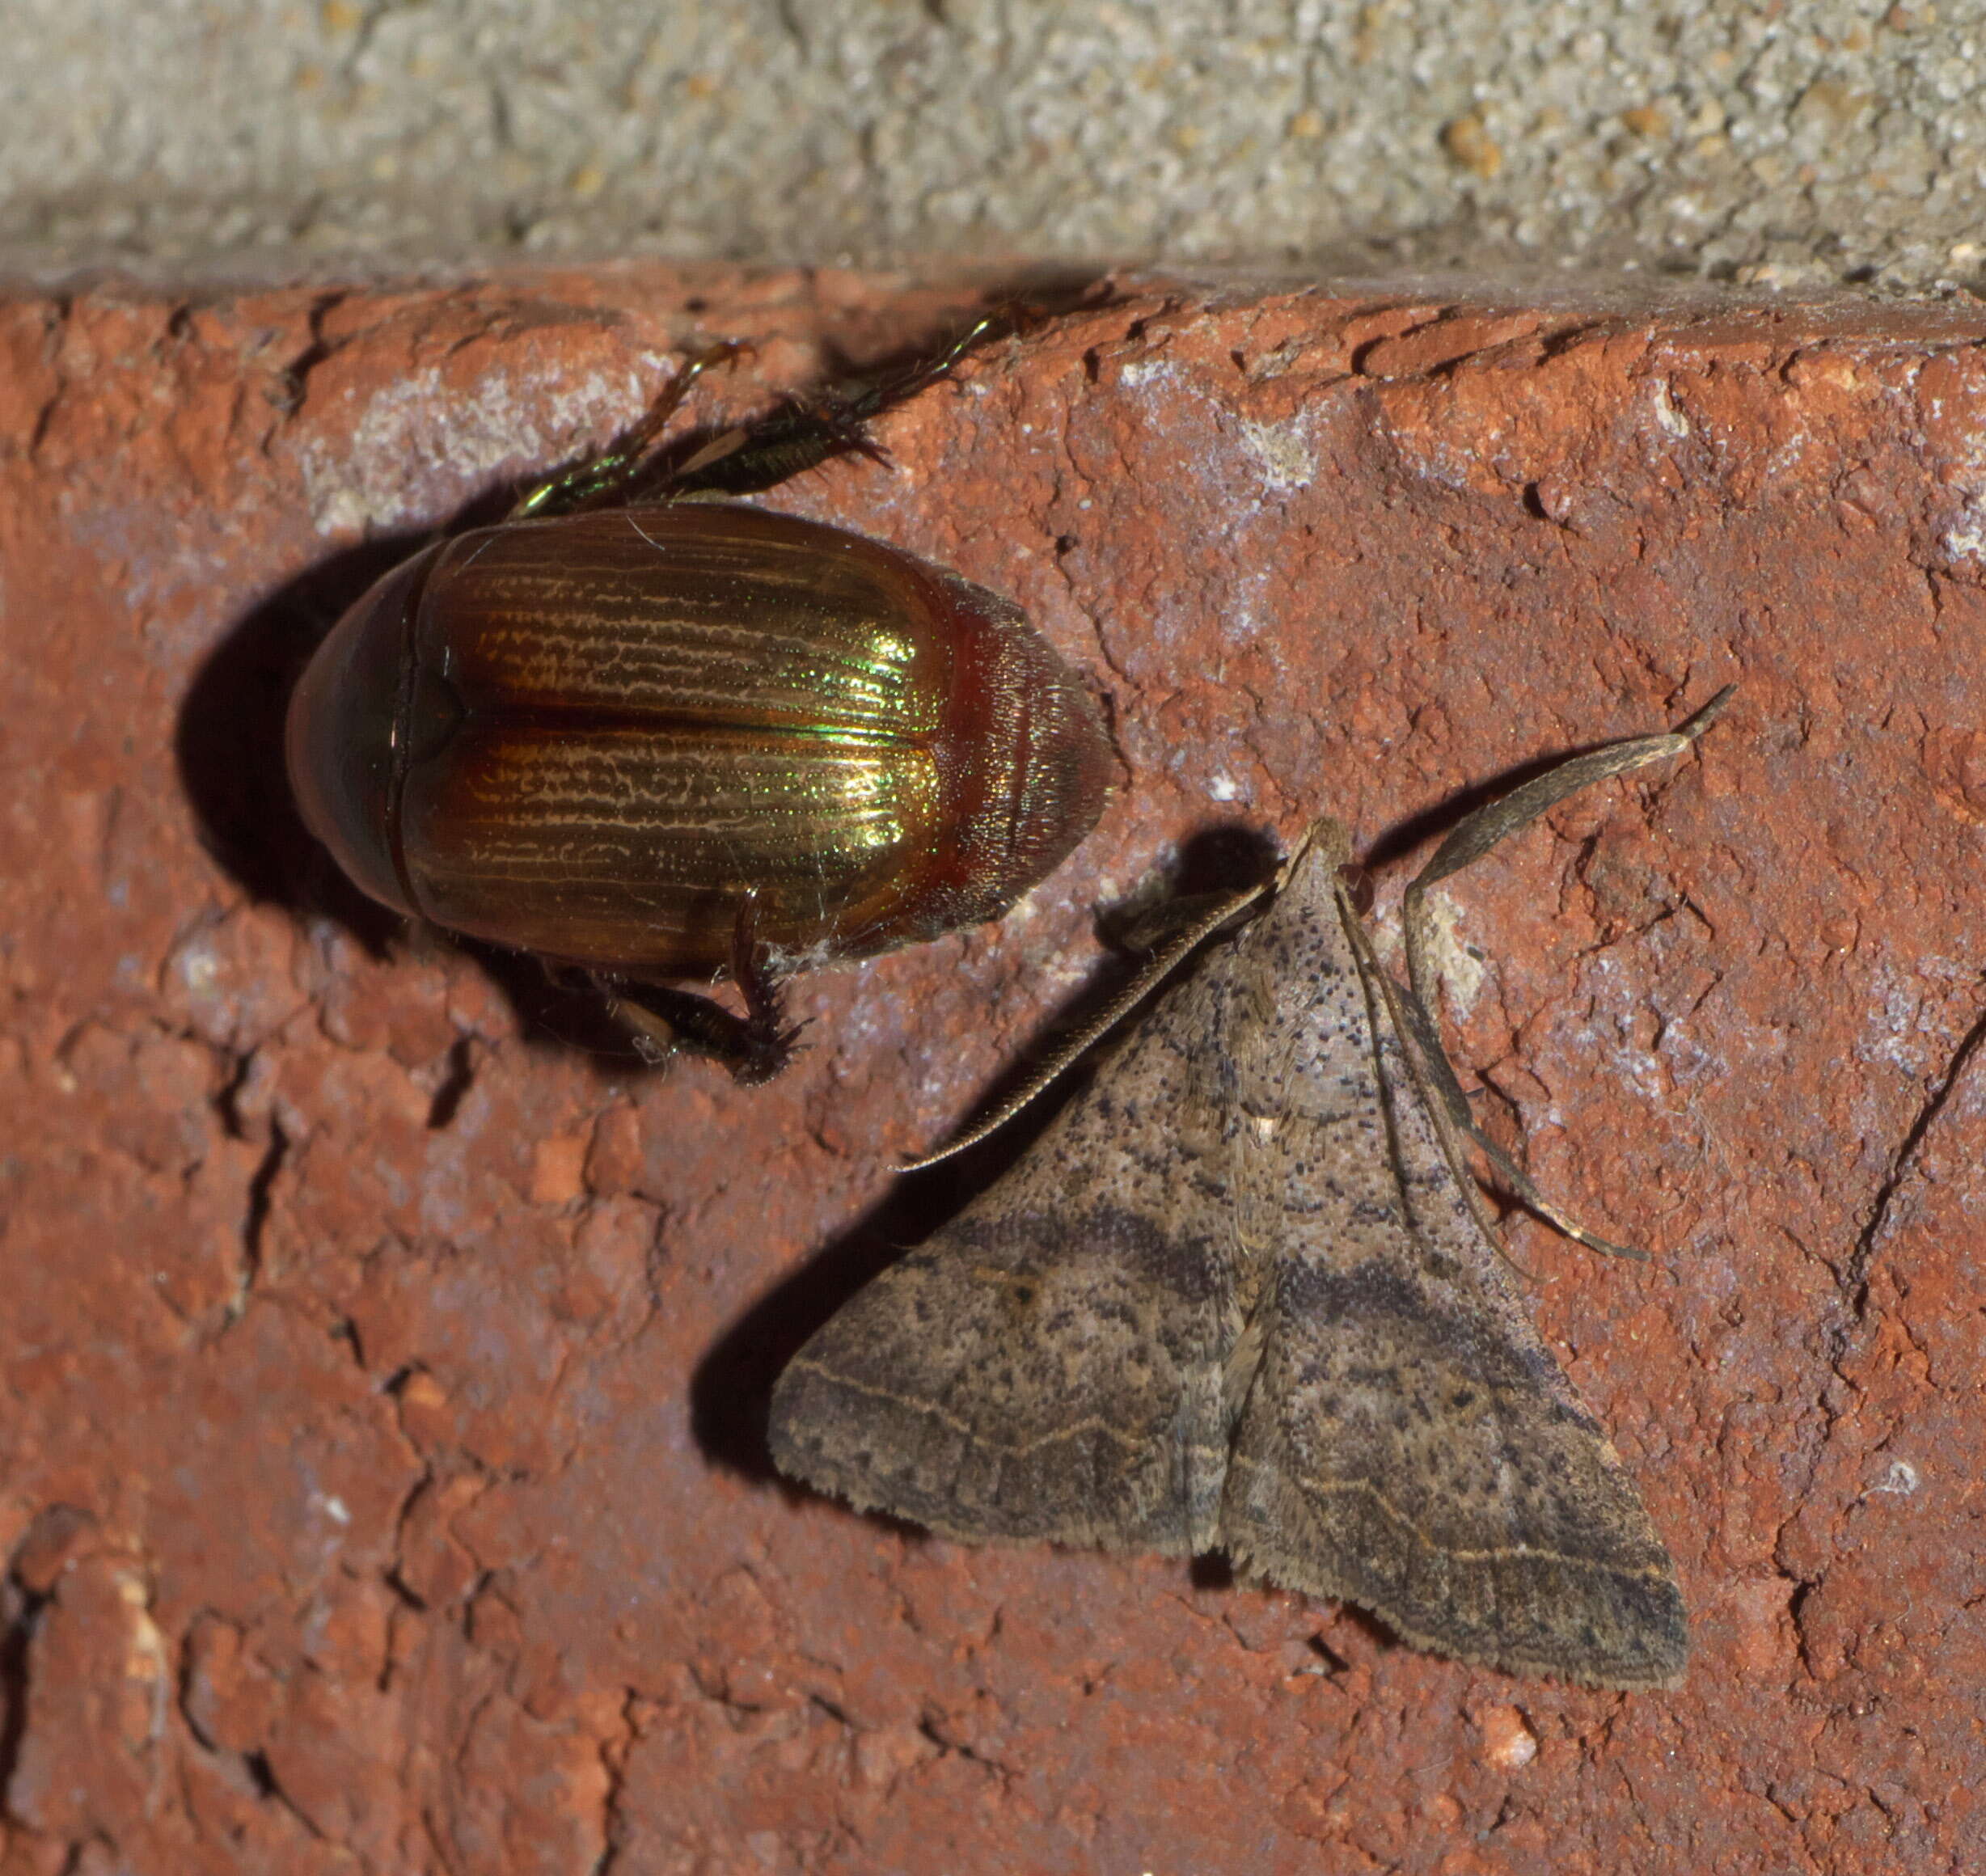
<point x="1406" y="1441"/>
<point x="1050" y="1365"/>
<point x="1238" y="1296"/>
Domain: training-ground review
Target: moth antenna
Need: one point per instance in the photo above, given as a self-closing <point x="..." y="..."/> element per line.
<point x="1153" y="972"/>
<point x="1472" y="836"/>
<point x="1476" y="834"/>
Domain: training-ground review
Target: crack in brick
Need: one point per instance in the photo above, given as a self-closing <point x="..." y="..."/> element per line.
<point x="614" y="1748"/>
<point x="1855" y="1274"/>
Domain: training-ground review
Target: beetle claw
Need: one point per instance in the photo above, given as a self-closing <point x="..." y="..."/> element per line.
<point x="767" y="1054"/>
<point x="664" y="1022"/>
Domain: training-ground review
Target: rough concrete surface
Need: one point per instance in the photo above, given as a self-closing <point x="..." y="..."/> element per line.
<point x="384" y="1353"/>
<point x="1794" y="141"/>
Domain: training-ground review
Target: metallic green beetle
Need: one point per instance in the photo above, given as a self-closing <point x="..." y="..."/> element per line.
<point x="680" y="737"/>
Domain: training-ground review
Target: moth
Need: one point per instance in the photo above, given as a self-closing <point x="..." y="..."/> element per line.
<point x="1244" y="1295"/>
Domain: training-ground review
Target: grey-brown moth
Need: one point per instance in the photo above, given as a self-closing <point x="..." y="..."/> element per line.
<point x="1243" y="1294"/>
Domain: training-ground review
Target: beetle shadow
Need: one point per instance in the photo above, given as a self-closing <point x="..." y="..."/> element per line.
<point x="228" y="744"/>
<point x="731" y="1390"/>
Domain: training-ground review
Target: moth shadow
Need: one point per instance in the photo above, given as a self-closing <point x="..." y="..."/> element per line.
<point x="731" y="1390"/>
<point x="1213" y="1573"/>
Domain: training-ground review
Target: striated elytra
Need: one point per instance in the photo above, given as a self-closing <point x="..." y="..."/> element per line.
<point x="661" y="741"/>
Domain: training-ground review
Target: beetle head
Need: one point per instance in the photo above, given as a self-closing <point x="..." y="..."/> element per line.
<point x="347" y="739"/>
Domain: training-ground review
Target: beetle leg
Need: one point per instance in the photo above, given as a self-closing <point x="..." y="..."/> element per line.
<point x="807" y="433"/>
<point x="844" y="429"/>
<point x="768" y="1037"/>
<point x="667" y="1020"/>
<point x="930" y="370"/>
<point x="605" y="477"/>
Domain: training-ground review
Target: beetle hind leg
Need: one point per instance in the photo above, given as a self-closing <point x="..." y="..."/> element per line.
<point x="668" y="1021"/>
<point x="810" y="431"/>
<point x="769" y="1039"/>
<point x="610" y="475"/>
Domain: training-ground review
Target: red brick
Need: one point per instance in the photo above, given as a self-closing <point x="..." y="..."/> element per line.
<point x="382" y="1361"/>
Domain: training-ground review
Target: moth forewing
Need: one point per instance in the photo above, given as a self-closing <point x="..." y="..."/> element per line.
<point x="1408" y="1443"/>
<point x="1050" y="1365"/>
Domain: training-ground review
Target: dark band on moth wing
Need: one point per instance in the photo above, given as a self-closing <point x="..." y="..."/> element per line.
<point x="1376" y="1292"/>
<point x="1180" y="1267"/>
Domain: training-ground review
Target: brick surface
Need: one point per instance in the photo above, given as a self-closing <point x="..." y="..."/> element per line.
<point x="384" y="1352"/>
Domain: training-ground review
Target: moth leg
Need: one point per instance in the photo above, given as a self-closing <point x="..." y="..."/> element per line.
<point x="667" y="1020"/>
<point x="1471" y="837"/>
<point x="608" y="476"/>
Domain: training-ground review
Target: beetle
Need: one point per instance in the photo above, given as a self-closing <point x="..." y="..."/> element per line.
<point x="669" y="736"/>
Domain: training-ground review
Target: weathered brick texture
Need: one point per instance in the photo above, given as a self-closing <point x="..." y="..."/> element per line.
<point x="383" y="1354"/>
